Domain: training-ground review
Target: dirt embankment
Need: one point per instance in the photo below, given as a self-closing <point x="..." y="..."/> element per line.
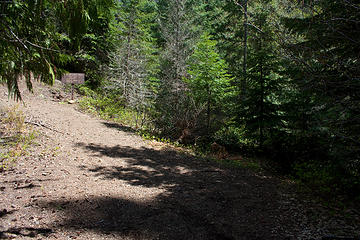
<point x="91" y="179"/>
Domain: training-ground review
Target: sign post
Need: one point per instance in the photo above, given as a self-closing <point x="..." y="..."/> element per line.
<point x="73" y="78"/>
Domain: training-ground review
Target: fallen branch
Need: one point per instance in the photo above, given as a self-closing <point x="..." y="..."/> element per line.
<point x="44" y="126"/>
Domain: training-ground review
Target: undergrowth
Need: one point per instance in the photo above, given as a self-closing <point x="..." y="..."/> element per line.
<point x="109" y="106"/>
<point x="15" y="136"/>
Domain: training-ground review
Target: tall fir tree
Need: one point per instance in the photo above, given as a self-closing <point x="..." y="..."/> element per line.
<point x="265" y="85"/>
<point x="209" y="84"/>
<point x="178" y="36"/>
<point x="134" y="63"/>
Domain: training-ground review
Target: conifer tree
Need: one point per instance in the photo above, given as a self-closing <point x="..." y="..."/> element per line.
<point x="133" y="65"/>
<point x="265" y="85"/>
<point x="178" y="34"/>
<point x="208" y="81"/>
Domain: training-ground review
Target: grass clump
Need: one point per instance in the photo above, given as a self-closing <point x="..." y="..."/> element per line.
<point x="15" y="136"/>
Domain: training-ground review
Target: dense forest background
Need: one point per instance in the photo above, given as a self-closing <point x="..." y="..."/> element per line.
<point x="279" y="78"/>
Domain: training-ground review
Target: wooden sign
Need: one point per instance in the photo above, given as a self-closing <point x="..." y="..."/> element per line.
<point x="73" y="78"/>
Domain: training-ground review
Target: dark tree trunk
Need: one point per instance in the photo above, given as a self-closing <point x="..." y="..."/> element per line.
<point x="243" y="83"/>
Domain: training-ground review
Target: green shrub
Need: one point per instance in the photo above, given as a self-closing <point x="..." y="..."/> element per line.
<point x="316" y="176"/>
<point x="328" y="179"/>
<point x="86" y="91"/>
<point x="109" y="106"/>
<point x="231" y="137"/>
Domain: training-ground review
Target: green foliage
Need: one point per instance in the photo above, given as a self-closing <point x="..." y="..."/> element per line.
<point x="266" y="89"/>
<point x="227" y="28"/>
<point x="208" y="80"/>
<point x="150" y="136"/>
<point x="86" y="29"/>
<point x="240" y="163"/>
<point x="327" y="179"/>
<point x="86" y="91"/>
<point x="232" y="137"/>
<point x="317" y="176"/>
<point x="104" y="105"/>
<point x="110" y="105"/>
<point x="28" y="47"/>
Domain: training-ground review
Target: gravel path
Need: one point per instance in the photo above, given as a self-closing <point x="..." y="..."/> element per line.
<point x="91" y="179"/>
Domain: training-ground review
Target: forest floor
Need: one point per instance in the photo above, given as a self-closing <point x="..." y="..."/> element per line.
<point x="87" y="178"/>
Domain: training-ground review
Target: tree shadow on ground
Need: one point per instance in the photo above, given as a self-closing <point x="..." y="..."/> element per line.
<point x="118" y="127"/>
<point x="200" y="200"/>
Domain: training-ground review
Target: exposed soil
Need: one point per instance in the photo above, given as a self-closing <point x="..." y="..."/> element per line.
<point x="91" y="179"/>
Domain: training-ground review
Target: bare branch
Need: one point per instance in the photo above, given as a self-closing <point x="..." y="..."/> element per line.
<point x="17" y="38"/>
<point x="38" y="46"/>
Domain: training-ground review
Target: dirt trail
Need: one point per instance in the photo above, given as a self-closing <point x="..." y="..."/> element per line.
<point x="91" y="179"/>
